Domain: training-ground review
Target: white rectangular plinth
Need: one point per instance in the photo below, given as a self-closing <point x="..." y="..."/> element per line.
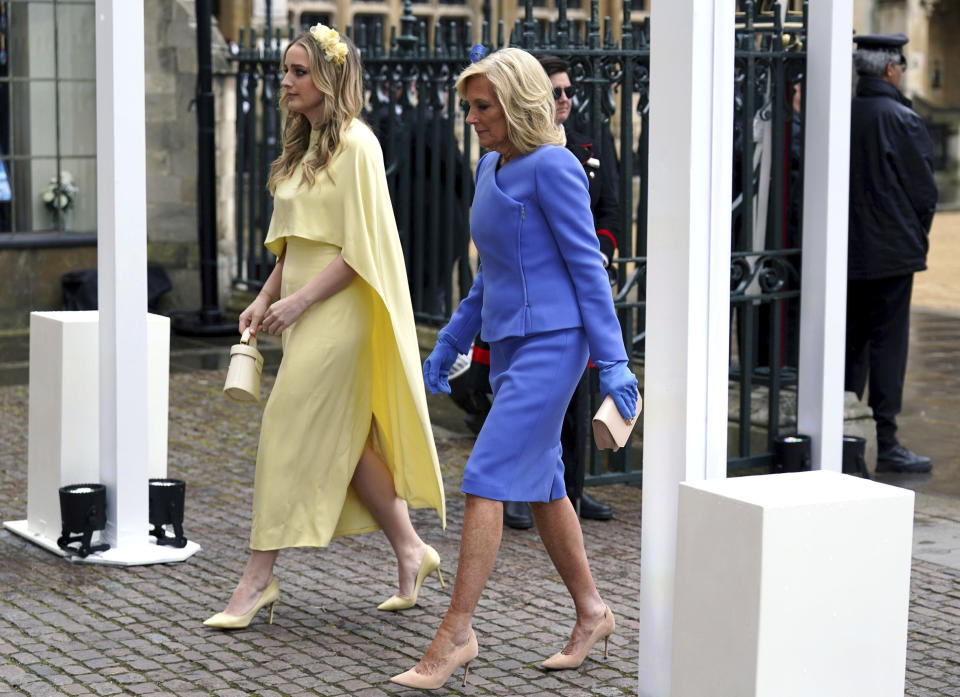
<point x="64" y="428"/>
<point x="792" y="585"/>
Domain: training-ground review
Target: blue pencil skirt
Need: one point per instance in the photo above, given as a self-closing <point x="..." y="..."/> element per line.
<point x="517" y="454"/>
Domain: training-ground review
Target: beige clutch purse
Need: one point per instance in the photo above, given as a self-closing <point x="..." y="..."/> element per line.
<point x="610" y="429"/>
<point x="243" y="375"/>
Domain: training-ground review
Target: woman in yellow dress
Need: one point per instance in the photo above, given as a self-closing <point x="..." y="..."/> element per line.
<point x="345" y="443"/>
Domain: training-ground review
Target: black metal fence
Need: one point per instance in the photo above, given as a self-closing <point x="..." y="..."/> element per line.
<point x="429" y="157"/>
<point x="767" y="221"/>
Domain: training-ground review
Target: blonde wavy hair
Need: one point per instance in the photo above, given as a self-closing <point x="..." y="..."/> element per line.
<point x="525" y="94"/>
<point x="342" y="89"/>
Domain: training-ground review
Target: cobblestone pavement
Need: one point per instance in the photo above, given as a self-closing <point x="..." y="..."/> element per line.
<point x="77" y="629"/>
<point x="72" y="629"/>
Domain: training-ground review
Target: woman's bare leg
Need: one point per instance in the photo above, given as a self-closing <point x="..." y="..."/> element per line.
<point x="560" y="531"/>
<point x="374" y="485"/>
<point x="256" y="577"/>
<point x="479" y="542"/>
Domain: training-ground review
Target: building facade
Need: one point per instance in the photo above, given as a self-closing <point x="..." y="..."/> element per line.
<point x="434" y="14"/>
<point x="932" y="78"/>
<point x="47" y="111"/>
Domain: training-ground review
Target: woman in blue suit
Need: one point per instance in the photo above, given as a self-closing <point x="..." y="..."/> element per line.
<point x="542" y="300"/>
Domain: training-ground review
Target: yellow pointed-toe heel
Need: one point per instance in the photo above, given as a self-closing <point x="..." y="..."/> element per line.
<point x="461" y="657"/>
<point x="564" y="661"/>
<point x="429" y="564"/>
<point x="224" y="621"/>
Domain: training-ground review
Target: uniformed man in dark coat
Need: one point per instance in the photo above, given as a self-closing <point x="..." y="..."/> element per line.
<point x="892" y="200"/>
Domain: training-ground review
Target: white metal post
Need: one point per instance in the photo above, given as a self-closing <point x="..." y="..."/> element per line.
<point x="825" y="209"/>
<point x="122" y="266"/>
<point x="688" y="294"/>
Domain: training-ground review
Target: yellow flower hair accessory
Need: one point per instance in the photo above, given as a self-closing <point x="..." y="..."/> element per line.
<point x="333" y="49"/>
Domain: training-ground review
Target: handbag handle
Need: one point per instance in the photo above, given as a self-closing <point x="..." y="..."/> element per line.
<point x="248" y="338"/>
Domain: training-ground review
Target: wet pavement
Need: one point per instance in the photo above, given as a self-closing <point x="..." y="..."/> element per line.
<point x="68" y="629"/>
<point x="930" y="421"/>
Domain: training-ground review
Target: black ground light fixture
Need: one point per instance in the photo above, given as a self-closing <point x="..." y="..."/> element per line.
<point x="791" y="454"/>
<point x="854" y="456"/>
<point x="83" y="510"/>
<point x="166" y="508"/>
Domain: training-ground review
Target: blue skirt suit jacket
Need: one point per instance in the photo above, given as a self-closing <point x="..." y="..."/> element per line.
<point x="542" y="300"/>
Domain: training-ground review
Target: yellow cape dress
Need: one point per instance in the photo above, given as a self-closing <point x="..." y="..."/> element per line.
<point x="351" y="363"/>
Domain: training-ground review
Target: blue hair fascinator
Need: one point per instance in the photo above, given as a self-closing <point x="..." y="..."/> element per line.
<point x="478" y="53"/>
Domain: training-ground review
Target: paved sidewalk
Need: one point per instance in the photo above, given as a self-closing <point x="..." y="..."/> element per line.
<point x="78" y="629"/>
<point x="69" y="629"/>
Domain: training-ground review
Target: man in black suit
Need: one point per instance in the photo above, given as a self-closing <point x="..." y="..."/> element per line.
<point x="604" y="203"/>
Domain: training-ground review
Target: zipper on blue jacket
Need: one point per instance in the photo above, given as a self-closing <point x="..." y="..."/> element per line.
<point x="523" y="277"/>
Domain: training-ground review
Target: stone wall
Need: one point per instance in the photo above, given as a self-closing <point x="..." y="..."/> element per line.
<point x="31" y="280"/>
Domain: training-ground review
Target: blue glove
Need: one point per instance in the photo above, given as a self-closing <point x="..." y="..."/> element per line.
<point x="619" y="382"/>
<point x="437" y="366"/>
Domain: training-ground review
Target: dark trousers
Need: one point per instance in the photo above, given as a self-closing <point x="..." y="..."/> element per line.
<point x="878" y="328"/>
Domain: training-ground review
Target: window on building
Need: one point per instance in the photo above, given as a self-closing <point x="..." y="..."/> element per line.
<point x="47" y="117"/>
<point x="308" y="19"/>
<point x="545" y="14"/>
<point x="455" y="31"/>
<point x="424" y="25"/>
<point x="367" y="25"/>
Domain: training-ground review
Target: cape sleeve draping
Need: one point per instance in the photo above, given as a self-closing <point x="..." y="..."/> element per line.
<point x="357" y="209"/>
<point x="372" y="248"/>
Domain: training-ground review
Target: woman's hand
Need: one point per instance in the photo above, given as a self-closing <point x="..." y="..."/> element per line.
<point x="437" y="366"/>
<point x="254" y="313"/>
<point x="618" y="381"/>
<point x="284" y="312"/>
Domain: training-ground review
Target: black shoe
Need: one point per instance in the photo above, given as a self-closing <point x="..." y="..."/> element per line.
<point x="593" y="509"/>
<point x="899" y="459"/>
<point x="517" y="515"/>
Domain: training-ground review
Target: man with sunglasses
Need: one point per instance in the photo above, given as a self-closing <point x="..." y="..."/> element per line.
<point x="601" y="171"/>
<point x="892" y="200"/>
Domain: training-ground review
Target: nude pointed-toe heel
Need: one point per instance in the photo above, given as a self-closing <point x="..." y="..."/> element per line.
<point x="461" y="657"/>
<point x="565" y="661"/>
<point x="224" y="621"/>
<point x="429" y="564"/>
